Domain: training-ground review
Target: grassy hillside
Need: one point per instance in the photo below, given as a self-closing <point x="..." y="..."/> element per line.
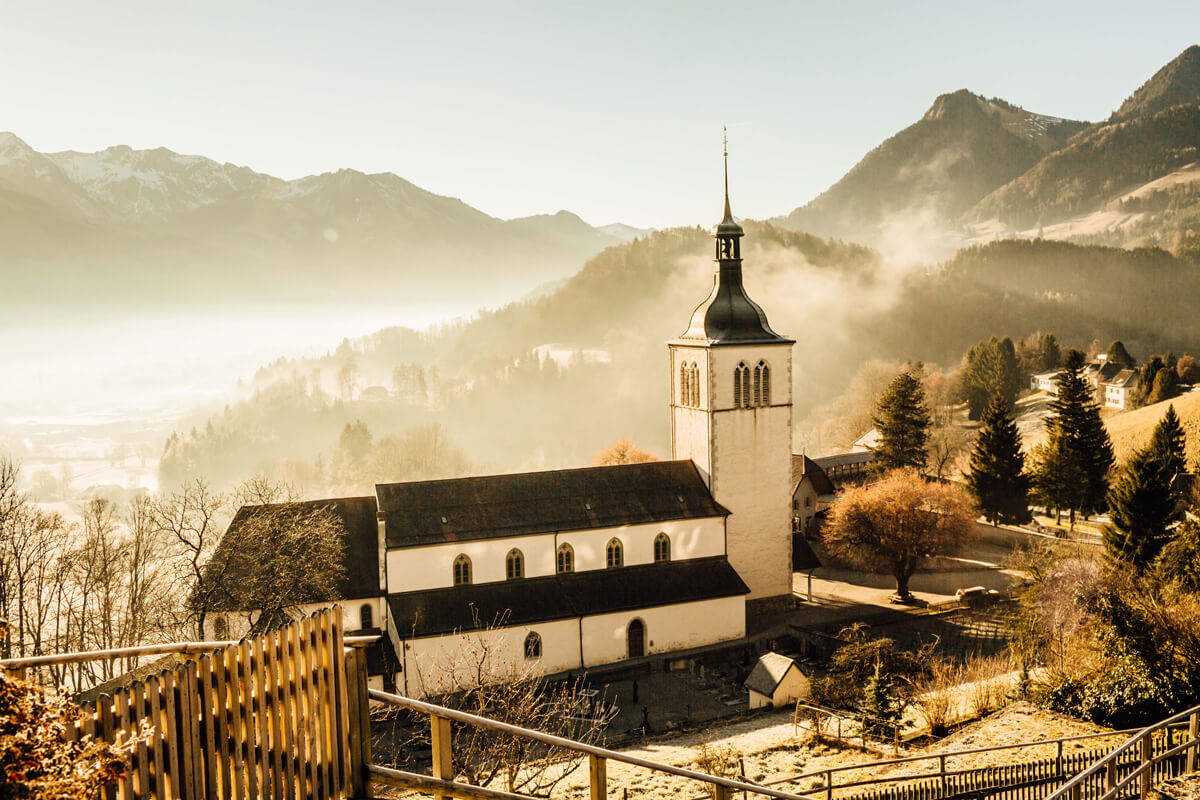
<point x="1131" y="430"/>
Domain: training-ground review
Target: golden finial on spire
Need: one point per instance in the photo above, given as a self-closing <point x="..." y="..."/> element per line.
<point x="725" y="154"/>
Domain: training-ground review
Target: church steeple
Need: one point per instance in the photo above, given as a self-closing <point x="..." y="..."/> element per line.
<point x="728" y="316"/>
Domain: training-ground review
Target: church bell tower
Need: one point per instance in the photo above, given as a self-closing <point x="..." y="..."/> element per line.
<point x="731" y="414"/>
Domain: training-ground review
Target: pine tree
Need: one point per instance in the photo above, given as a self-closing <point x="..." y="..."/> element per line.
<point x="989" y="368"/>
<point x="1169" y="442"/>
<point x="1117" y="354"/>
<point x="880" y="706"/>
<point x="1073" y="468"/>
<point x="903" y="424"/>
<point x="996" y="477"/>
<point x="1141" y="506"/>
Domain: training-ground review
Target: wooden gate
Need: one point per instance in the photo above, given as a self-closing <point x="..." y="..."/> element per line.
<point x="266" y="717"/>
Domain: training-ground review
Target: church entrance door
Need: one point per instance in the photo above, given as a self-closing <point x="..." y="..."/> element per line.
<point x="637" y="639"/>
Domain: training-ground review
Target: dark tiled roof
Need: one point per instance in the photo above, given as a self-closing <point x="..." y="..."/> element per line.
<point x="494" y="506"/>
<point x="768" y="673"/>
<point x="803" y="465"/>
<point x="530" y="600"/>
<point x="1124" y="379"/>
<point x="361" y="578"/>
<point x="844" y="459"/>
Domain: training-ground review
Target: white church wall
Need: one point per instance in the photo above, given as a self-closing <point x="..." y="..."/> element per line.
<point x="413" y="569"/>
<point x="674" y="627"/>
<point x="432" y="665"/>
<point x="237" y="623"/>
<point x="777" y="356"/>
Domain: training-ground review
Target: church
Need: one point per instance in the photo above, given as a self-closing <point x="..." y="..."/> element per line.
<point x="567" y="570"/>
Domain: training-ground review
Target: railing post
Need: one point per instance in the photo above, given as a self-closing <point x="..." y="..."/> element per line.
<point x="942" y="770"/>
<point x="1193" y="732"/>
<point x="828" y="784"/>
<point x="1058" y="759"/>
<point x="1110" y="775"/>
<point x="598" y="777"/>
<point x="1146" y="776"/>
<point x="443" y="749"/>
<point x="721" y="792"/>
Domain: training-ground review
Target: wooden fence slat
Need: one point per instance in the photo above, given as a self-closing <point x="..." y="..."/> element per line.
<point x="124" y="724"/>
<point x="207" y="697"/>
<point x="306" y="766"/>
<point x="337" y="706"/>
<point x="193" y="756"/>
<point x="287" y="703"/>
<point x="271" y="669"/>
<point x="224" y="756"/>
<point x="342" y="673"/>
<point x="106" y="731"/>
<point x="171" y="727"/>
<point x="313" y="666"/>
<point x="143" y="747"/>
<point x="266" y="783"/>
<point x="247" y="726"/>
<point x="321" y="641"/>
<point x="233" y="688"/>
<point x="154" y="701"/>
<point x="308" y="691"/>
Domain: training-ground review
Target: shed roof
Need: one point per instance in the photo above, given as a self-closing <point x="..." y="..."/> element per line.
<point x="844" y="459"/>
<point x="495" y="506"/>
<point x="768" y="673"/>
<point x="574" y="594"/>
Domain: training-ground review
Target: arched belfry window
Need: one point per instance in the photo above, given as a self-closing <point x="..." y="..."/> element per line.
<point x="662" y="548"/>
<point x="365" y="615"/>
<point x="565" y="559"/>
<point x="462" y="570"/>
<point x="689" y="384"/>
<point x="741" y="386"/>
<point x="533" y="645"/>
<point x="514" y="565"/>
<point x="694" y="385"/>
<point x="762" y="384"/>
<point x="614" y="554"/>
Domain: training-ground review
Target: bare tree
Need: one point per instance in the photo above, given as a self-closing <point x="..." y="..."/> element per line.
<point x="622" y="451"/>
<point x="483" y="677"/>
<point x="192" y="519"/>
<point x="890" y="525"/>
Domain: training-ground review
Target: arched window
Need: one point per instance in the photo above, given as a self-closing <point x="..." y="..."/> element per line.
<point x="695" y="385"/>
<point x="462" y="570"/>
<point x="565" y="560"/>
<point x="662" y="547"/>
<point x="533" y="645"/>
<point x="684" y="394"/>
<point x="741" y="386"/>
<point x="514" y="565"/>
<point x="220" y="629"/>
<point x="614" y="554"/>
<point x="762" y="384"/>
<point x="364" y="616"/>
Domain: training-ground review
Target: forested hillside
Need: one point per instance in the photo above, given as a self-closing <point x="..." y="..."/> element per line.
<point x="550" y="382"/>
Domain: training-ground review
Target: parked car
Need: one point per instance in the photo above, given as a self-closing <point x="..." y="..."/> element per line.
<point x="976" y="596"/>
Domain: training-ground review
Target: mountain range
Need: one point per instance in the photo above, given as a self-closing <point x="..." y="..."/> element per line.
<point x="974" y="169"/>
<point x="165" y="227"/>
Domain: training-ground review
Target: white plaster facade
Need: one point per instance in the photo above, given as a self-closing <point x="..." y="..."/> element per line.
<point x="744" y="454"/>
<point x="235" y="625"/>
<point x="413" y="569"/>
<point x="794" y="686"/>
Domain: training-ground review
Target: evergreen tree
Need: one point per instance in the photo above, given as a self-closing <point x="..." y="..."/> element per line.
<point x="880" y="706"/>
<point x="990" y="368"/>
<point x="1038" y="352"/>
<point x="1117" y="354"/>
<point x="1073" y="467"/>
<point x="903" y="424"/>
<point x="1141" y="505"/>
<point x="1169" y="442"/>
<point x="996" y="477"/>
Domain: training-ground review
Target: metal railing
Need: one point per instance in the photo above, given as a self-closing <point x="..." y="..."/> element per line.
<point x="1088" y="783"/>
<point x="442" y="783"/>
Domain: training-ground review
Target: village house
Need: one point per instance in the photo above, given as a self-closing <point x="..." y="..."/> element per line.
<point x="1114" y="384"/>
<point x="568" y="570"/>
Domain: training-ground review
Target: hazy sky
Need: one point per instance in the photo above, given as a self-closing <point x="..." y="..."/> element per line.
<point x="610" y="109"/>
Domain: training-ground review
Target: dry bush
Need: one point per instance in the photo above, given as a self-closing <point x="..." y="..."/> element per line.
<point x="721" y="760"/>
<point x="935" y="696"/>
<point x="987" y="683"/>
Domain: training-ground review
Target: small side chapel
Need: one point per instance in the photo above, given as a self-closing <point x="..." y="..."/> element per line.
<point x="580" y="568"/>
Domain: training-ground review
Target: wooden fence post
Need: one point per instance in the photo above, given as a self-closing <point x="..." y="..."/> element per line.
<point x="942" y="770"/>
<point x="598" y="777"/>
<point x="443" y="749"/>
<point x="1110" y="776"/>
<point x="828" y="784"/>
<point x="356" y="696"/>
<point x="1058" y="759"/>
<point x="1193" y="731"/>
<point x="1147" y="778"/>
<point x="721" y="792"/>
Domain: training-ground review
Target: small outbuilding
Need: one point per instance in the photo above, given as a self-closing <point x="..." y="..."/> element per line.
<point x="775" y="681"/>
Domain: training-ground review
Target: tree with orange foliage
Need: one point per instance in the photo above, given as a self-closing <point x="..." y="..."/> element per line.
<point x="622" y="451"/>
<point x="890" y="525"/>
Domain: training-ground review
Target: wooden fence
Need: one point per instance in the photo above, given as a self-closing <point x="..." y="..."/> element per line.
<point x="1029" y="780"/>
<point x="267" y="717"/>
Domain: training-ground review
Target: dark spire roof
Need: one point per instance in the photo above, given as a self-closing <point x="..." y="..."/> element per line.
<point x="729" y="316"/>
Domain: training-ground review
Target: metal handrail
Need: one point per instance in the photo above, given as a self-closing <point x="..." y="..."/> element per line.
<point x="578" y="747"/>
<point x="24" y="662"/>
<point x="1073" y="787"/>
